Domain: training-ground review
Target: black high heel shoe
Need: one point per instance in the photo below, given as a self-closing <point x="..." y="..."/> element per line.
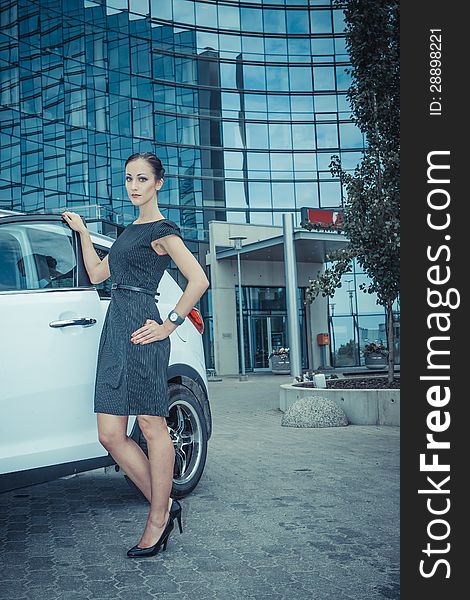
<point x="136" y="551"/>
<point x="175" y="512"/>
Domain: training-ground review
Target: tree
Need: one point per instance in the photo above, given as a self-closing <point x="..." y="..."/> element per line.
<point x="372" y="208"/>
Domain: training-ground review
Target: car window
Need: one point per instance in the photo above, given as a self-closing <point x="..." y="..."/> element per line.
<point x="36" y="256"/>
<point x="103" y="288"/>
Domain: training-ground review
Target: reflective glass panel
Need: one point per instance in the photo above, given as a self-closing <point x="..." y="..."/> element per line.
<point x="276" y="46"/>
<point x="258" y="162"/>
<point x="344" y="348"/>
<point x="277" y="79"/>
<point x="327" y="136"/>
<point x="297" y="21"/>
<point x="372" y="329"/>
<point x="324" y="78"/>
<point x="283" y="195"/>
<point x="303" y="137"/>
<point x="300" y="79"/>
<point x="280" y="135"/>
<point x="349" y="160"/>
<point x="343" y="79"/>
<point x="339" y="23"/>
<point x="325" y="103"/>
<point x="281" y="161"/>
<point x="206" y="14"/>
<point x="257" y="135"/>
<point x="260" y="194"/>
<point x="322" y="47"/>
<point x="254" y="77"/>
<point x="235" y="194"/>
<point x="183" y="11"/>
<point x="229" y="17"/>
<point x="255" y="102"/>
<point x="279" y="103"/>
<point x="330" y="194"/>
<point x="231" y="135"/>
<point x="274" y="21"/>
<point x="350" y="136"/>
<point x="306" y="194"/>
<point x="251" y="19"/>
<point x="367" y="303"/>
<point x="320" y="21"/>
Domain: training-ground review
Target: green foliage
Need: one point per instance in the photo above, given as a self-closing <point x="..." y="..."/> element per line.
<point x="347" y="349"/>
<point x="346" y="354"/>
<point x="330" y="279"/>
<point x="372" y="41"/>
<point x="372" y="208"/>
<point x="374" y="348"/>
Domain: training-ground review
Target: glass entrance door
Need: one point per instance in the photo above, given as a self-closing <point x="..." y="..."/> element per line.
<point x="267" y="333"/>
<point x="260" y="343"/>
<point x="278" y="326"/>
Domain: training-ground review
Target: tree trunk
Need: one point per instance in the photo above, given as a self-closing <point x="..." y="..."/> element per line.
<point x="391" y="343"/>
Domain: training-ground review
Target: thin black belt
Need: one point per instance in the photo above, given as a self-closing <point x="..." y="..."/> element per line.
<point x="134" y="288"/>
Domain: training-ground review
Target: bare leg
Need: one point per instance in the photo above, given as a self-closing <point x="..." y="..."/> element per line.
<point x="112" y="431"/>
<point x="161" y="457"/>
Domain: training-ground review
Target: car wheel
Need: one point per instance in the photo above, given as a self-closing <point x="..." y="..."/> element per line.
<point x="188" y="431"/>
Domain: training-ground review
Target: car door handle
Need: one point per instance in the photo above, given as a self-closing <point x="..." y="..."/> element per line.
<point x="84" y="321"/>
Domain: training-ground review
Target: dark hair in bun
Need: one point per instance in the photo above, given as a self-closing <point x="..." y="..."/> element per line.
<point x="153" y="161"/>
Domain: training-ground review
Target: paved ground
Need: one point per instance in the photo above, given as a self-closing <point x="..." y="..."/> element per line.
<point x="279" y="512"/>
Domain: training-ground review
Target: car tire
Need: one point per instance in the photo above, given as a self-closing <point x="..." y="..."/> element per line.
<point x="188" y="431"/>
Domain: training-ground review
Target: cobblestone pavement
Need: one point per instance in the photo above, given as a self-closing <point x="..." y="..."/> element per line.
<point x="279" y="512"/>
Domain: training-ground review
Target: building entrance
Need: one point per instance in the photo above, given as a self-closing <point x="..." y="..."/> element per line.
<point x="265" y="325"/>
<point x="267" y="333"/>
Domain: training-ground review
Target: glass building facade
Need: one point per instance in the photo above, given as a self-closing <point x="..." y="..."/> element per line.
<point x="356" y="320"/>
<point x="244" y="102"/>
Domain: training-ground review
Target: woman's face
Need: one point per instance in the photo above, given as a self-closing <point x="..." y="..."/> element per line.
<point x="140" y="182"/>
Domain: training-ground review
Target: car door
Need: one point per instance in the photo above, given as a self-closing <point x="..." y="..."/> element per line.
<point x="49" y="335"/>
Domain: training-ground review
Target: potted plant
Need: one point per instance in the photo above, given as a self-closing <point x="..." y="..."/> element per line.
<point x="375" y="355"/>
<point x="280" y="362"/>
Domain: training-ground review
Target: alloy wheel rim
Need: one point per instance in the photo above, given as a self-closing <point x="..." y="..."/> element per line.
<point x="184" y="427"/>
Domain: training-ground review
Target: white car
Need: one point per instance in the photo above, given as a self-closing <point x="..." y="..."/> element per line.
<point x="50" y="323"/>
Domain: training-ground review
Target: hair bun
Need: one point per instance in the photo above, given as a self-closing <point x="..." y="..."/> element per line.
<point x="152" y="159"/>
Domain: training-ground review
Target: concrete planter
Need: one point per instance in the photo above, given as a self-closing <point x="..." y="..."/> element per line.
<point x="280" y="364"/>
<point x="376" y="360"/>
<point x="362" y="407"/>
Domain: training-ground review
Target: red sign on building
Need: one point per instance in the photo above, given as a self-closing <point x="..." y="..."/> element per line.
<point x="327" y="218"/>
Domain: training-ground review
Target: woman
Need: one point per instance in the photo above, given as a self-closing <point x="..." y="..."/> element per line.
<point x="133" y="355"/>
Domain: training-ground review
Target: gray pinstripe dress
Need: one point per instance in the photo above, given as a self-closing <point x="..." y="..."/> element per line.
<point x="131" y="379"/>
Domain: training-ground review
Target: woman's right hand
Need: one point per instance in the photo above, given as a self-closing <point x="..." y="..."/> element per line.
<point x="75" y="221"/>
